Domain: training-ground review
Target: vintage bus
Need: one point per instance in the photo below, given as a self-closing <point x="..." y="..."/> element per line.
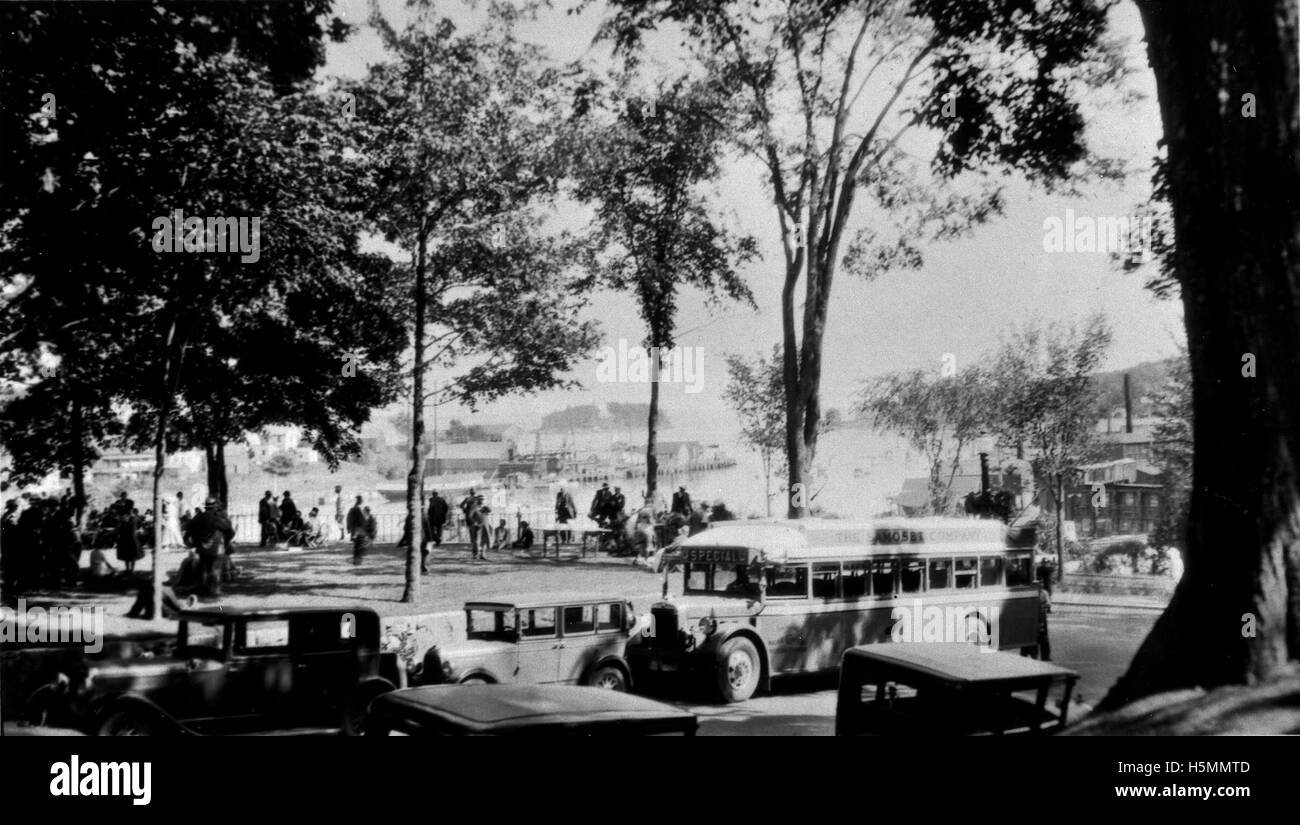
<point x="764" y="599"/>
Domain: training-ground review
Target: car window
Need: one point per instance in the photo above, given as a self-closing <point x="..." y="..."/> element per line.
<point x="262" y="636"/>
<point x="489" y="625"/>
<point x="324" y="633"/>
<point x="940" y="574"/>
<point x="609" y="617"/>
<point x="203" y="637"/>
<point x="911" y="576"/>
<point x="788" y="582"/>
<point x="537" y="622"/>
<point x="964" y="573"/>
<point x="579" y="620"/>
<point x="1020" y="571"/>
<point x="825" y="581"/>
<point x="854" y="580"/>
<point x="990" y="571"/>
<point x="882" y="577"/>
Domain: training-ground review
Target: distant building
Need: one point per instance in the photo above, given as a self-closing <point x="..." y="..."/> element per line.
<point x="1115" y="498"/>
<point x="122" y="466"/>
<point x="469" y="457"/>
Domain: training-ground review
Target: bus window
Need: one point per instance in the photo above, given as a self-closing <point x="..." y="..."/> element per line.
<point x="854" y="580"/>
<point x="964" y="575"/>
<point x="911" y="576"/>
<point x="940" y="574"/>
<point x="697" y="577"/>
<point x="787" y="582"/>
<point x="990" y="571"/>
<point x="825" y="581"/>
<point x="1020" y="571"/>
<point x="882" y="577"/>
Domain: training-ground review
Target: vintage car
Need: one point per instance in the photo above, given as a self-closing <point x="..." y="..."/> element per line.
<point x="233" y="670"/>
<point x="569" y="639"/>
<point x="948" y="689"/>
<point x="461" y="710"/>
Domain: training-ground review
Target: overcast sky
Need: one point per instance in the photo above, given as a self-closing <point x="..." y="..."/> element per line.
<point x="967" y="294"/>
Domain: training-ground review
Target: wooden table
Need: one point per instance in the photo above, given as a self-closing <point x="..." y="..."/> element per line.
<point x="582" y="531"/>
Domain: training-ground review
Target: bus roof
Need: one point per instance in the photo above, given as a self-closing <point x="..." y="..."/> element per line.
<point x="789" y="540"/>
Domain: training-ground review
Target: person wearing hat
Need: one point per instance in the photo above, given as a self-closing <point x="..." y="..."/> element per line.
<point x="682" y="502"/>
<point x="211" y="531"/>
<point x="268" y="515"/>
<point x="600" y="505"/>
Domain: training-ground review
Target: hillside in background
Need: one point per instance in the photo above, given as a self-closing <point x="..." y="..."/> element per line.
<point x="1145" y="381"/>
<point x="591" y="417"/>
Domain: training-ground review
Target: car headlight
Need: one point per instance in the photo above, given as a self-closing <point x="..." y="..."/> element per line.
<point x="707" y="625"/>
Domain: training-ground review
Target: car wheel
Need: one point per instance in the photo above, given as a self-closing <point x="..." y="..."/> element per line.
<point x="354" y="717"/>
<point x="739" y="669"/>
<point x="609" y="677"/>
<point x="127" y="723"/>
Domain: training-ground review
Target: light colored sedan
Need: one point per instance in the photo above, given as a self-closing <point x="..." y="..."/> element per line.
<point x="548" y="639"/>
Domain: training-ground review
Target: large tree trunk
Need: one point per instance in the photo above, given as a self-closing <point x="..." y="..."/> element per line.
<point x="1233" y="184"/>
<point x="415" y="478"/>
<point x="222" y="490"/>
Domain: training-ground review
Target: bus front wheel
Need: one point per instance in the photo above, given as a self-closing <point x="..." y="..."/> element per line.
<point x="739" y="669"/>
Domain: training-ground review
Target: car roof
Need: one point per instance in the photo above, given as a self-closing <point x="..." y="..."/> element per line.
<point x="956" y="663"/>
<point x="225" y="613"/>
<point x="526" y="600"/>
<point x="505" y="708"/>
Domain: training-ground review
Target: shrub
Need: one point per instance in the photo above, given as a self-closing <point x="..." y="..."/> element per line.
<point x="281" y="464"/>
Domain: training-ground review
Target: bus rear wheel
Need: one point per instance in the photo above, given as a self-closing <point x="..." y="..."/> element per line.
<point x="739" y="669"/>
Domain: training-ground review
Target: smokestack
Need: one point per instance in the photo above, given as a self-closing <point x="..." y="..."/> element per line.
<point x="1128" y="407"/>
<point x="984" y="473"/>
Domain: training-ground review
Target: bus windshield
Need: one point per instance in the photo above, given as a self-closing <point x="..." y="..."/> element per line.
<point x="721" y="580"/>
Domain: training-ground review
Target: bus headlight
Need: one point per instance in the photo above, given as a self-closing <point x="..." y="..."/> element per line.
<point x="707" y="625"/>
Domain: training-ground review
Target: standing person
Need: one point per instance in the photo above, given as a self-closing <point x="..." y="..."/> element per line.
<point x="357" y="530"/>
<point x="268" y="515"/>
<point x="682" y="502"/>
<point x="339" y="516"/>
<point x="438" y="509"/>
<point x="1044" y="607"/>
<point x="212" y="531"/>
<point x="290" y="518"/>
<point x="186" y="519"/>
<point x="129" y="550"/>
<point x="372" y="527"/>
<point x="616" y="504"/>
<point x="565" y="509"/>
<point x="172" y="536"/>
<point x="600" y="504"/>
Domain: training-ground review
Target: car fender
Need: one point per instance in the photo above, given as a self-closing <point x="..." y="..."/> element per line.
<point x="610" y="659"/>
<point x="139" y="705"/>
<point x="725" y="632"/>
<point x="379" y="684"/>
<point x="462" y="675"/>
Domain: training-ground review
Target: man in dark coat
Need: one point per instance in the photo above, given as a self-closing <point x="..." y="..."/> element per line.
<point x="268" y="515"/>
<point x="290" y="518"/>
<point x="682" y="502"/>
<point x="600" y="504"/>
<point x="211" y="531"/>
<point x="616" y="504"/>
<point x="357" y="530"/>
<point x="437" y="517"/>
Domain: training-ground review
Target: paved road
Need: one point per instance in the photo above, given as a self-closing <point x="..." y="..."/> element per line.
<point x="1097" y="645"/>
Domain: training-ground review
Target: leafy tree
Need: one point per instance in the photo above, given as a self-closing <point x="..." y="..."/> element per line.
<point x="938" y="416"/>
<point x="757" y="393"/>
<point x="645" y="169"/>
<point x="1046" y="400"/>
<point x="996" y="85"/>
<point x="462" y="146"/>
<point x="1172" y="453"/>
